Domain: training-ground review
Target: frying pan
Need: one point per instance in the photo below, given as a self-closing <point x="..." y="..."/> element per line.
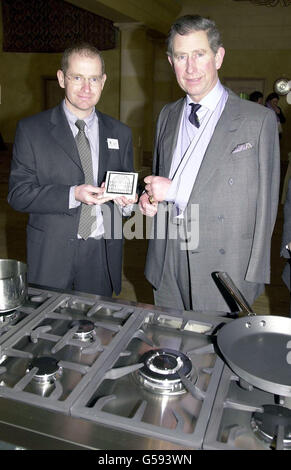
<point x="257" y="347"/>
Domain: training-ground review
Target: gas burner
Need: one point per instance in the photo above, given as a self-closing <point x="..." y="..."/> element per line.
<point x="48" y="369"/>
<point x="85" y="331"/>
<point x="161" y="371"/>
<point x="9" y="317"/>
<point x="265" y="425"/>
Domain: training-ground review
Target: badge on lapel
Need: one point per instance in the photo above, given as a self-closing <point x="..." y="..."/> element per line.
<point x="113" y="144"/>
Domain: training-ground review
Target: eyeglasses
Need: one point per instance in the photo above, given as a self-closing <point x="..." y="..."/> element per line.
<point x="79" y="80"/>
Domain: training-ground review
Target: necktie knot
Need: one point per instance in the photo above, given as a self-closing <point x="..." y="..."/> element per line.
<point x="80" y="124"/>
<point x="193" y="118"/>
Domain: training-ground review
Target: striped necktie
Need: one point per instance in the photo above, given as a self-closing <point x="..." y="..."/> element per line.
<point x="88" y="214"/>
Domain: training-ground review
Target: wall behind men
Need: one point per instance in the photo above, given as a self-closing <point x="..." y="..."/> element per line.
<point x="257" y="41"/>
<point x="22" y="84"/>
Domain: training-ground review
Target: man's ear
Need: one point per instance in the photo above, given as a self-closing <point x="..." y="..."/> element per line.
<point x="219" y="56"/>
<point x="61" y="78"/>
<point x="104" y="77"/>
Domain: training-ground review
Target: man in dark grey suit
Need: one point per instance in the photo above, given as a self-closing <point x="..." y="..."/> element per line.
<point x="215" y="182"/>
<point x="286" y="240"/>
<point x="48" y="181"/>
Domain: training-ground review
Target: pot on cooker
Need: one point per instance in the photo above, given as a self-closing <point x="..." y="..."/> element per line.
<point x="13" y="284"/>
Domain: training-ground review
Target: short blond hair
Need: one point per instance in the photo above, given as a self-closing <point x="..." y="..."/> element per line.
<point x="83" y="49"/>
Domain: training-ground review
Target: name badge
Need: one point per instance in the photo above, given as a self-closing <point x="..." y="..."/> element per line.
<point x="113" y="144"/>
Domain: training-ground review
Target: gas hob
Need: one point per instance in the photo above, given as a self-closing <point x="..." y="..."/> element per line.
<point x="79" y="371"/>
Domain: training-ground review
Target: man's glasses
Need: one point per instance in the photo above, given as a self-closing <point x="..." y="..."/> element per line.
<point x="80" y="80"/>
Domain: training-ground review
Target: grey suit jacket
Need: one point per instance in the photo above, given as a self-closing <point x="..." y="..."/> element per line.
<point x="286" y="238"/>
<point x="237" y="194"/>
<point x="45" y="165"/>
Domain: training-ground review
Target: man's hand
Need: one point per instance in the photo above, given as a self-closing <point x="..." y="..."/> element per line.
<point x="147" y="208"/>
<point x="157" y="187"/>
<point x="123" y="201"/>
<point x="91" y="195"/>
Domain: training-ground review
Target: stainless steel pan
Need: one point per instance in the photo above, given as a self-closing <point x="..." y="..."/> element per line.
<point x="257" y="347"/>
<point x="13" y="284"/>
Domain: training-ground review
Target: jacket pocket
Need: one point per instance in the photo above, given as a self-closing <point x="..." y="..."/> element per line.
<point x="238" y="156"/>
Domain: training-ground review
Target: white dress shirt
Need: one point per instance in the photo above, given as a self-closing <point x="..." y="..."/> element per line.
<point x="92" y="134"/>
<point x="191" y="146"/>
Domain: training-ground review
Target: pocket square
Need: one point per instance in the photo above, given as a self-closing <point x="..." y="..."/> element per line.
<point x="241" y="147"/>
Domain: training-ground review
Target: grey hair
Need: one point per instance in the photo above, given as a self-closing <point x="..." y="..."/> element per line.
<point x="83" y="49"/>
<point x="189" y="23"/>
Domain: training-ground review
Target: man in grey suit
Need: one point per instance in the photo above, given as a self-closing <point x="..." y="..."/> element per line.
<point x="214" y="187"/>
<point x="286" y="240"/>
<point x="48" y="180"/>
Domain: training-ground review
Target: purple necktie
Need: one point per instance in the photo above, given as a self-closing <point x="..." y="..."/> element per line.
<point x="193" y="118"/>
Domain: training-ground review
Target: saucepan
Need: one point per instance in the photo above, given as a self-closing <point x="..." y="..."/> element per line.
<point x="257" y="347"/>
<point x="13" y="284"/>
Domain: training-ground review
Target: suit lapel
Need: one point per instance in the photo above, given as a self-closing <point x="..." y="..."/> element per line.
<point x="106" y="131"/>
<point x="171" y="135"/>
<point x="221" y="143"/>
<point x="62" y="134"/>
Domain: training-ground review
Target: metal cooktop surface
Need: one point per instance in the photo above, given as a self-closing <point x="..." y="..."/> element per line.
<point x="79" y="371"/>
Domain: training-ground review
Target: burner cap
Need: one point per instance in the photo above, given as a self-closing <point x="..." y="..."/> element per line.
<point x="48" y="369"/>
<point x="164" y="363"/>
<point x="265" y="425"/>
<point x="160" y="371"/>
<point x="85" y="331"/>
<point x="9" y="316"/>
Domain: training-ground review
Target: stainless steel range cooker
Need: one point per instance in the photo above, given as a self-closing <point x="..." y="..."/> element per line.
<point x="79" y="371"/>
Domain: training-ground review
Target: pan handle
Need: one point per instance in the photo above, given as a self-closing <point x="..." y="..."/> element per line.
<point x="234" y="291"/>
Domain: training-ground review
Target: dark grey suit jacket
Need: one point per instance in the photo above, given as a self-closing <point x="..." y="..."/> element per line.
<point x="45" y="165"/>
<point x="286" y="238"/>
<point x="237" y="194"/>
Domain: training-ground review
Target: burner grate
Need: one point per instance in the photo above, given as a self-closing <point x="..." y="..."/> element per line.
<point x="240" y="421"/>
<point x="273" y="426"/>
<point x="116" y="398"/>
<point x="71" y="346"/>
<point x="94" y="349"/>
<point x="13" y="320"/>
